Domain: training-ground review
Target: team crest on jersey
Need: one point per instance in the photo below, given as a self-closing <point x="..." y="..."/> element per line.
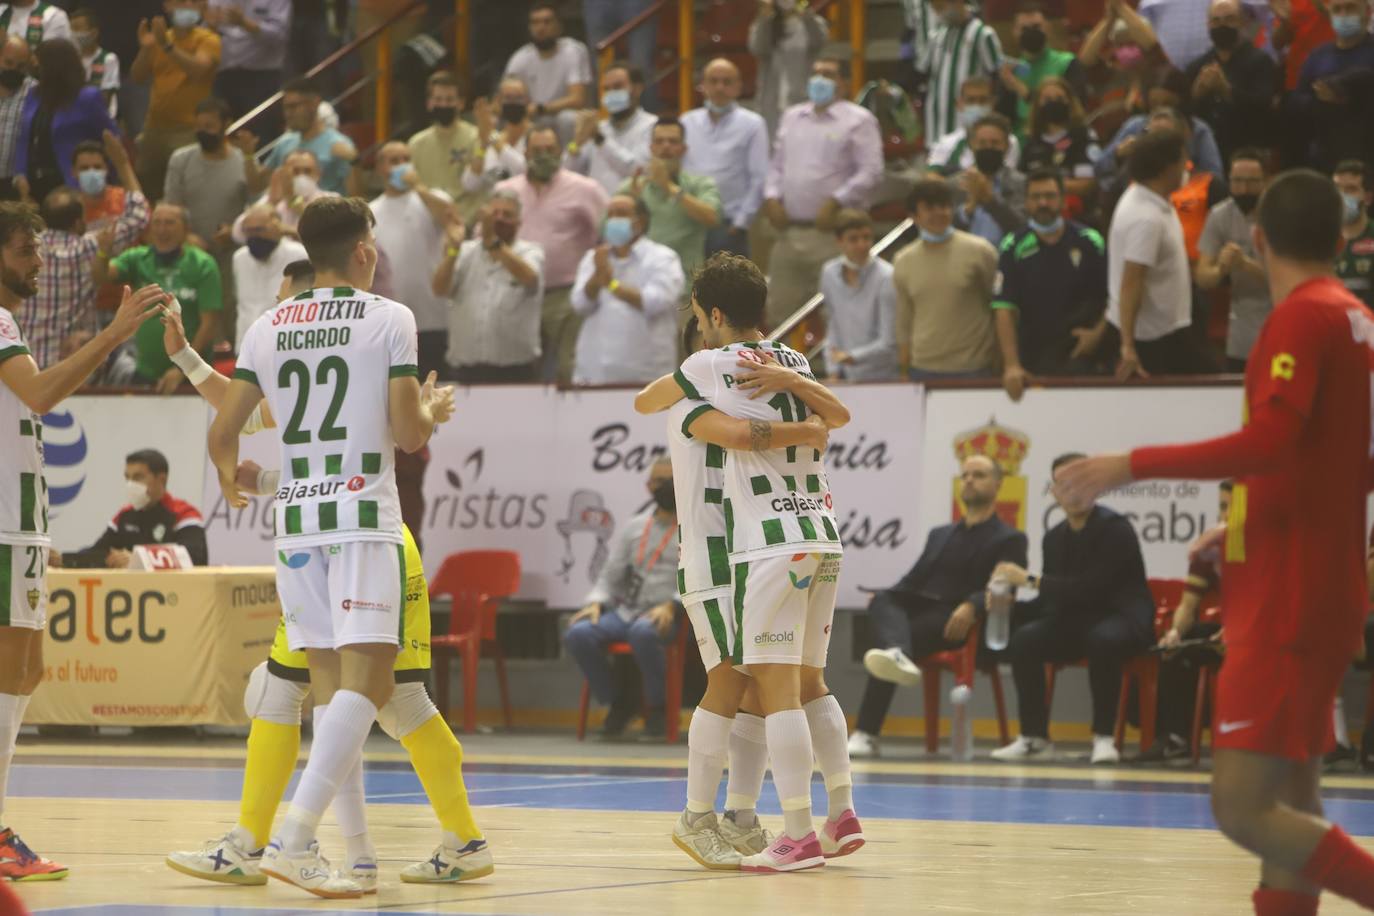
<point x="33" y="595"/>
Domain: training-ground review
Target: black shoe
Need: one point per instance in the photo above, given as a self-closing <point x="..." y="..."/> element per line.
<point x="1169" y="748"/>
<point x="1342" y="758"/>
<point x="655" y="726"/>
<point x="614" y="726"/>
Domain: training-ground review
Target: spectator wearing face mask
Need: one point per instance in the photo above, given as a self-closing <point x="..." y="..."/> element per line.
<point x="210" y="178"/>
<point x="1227" y="256"/>
<point x="102" y="201"/>
<point x="35" y="21"/>
<point x="960" y="47"/>
<point x="1182" y="26"/>
<point x="1335" y="92"/>
<point x="787" y="39"/>
<point x="259" y="265"/>
<point x="1121" y="59"/>
<point x="557" y="70"/>
<point x="102" y="66"/>
<point x="953" y="154"/>
<point x="992" y="195"/>
<point x="1355" y="266"/>
<point x="613" y="150"/>
<point x="682" y="207"/>
<point x="1171" y="90"/>
<point x="1022" y="77"/>
<point x="860" y="306"/>
<point x="502" y="125"/>
<point x="1234" y="83"/>
<point x="15" y="86"/>
<point x="442" y="152"/>
<point x="306" y="129"/>
<point x="1058" y="138"/>
<point x="294" y="185"/>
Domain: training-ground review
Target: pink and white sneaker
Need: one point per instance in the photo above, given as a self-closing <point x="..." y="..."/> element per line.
<point x="786" y="854"/>
<point x="842" y="836"/>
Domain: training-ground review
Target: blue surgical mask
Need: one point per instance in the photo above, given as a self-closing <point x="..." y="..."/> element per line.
<point x="185" y="18"/>
<point x="1347" y="27"/>
<point x="970" y="115"/>
<point x="1049" y="228"/>
<point x="719" y="109"/>
<point x="616" y="100"/>
<point x="92" y="182"/>
<point x="397" y="176"/>
<point x="1353" y="206"/>
<point x="820" y="89"/>
<point x="620" y="231"/>
<point x="937" y="238"/>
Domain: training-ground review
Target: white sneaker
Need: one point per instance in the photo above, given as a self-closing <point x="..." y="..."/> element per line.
<point x="223" y="860"/>
<point x="748" y="841"/>
<point x="364" y="871"/>
<point x="309" y="871"/>
<point x="449" y="865"/>
<point x="893" y="666"/>
<point x="704" y="843"/>
<point x="1104" y="750"/>
<point x="1024" y="748"/>
<point x="862" y="744"/>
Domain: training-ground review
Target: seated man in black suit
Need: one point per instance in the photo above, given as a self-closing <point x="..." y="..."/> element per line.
<point x="1094" y="601"/>
<point x="935" y="605"/>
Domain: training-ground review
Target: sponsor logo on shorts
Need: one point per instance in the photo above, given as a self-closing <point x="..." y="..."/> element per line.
<point x="293" y="561"/>
<point x="768" y="639"/>
<point x="799" y="583"/>
<point x="1227" y="727"/>
<point x="33" y="595"/>
<point x="352" y="604"/>
<point x="335" y="550"/>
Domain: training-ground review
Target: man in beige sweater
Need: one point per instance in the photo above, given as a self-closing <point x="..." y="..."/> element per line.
<point x="945" y="283"/>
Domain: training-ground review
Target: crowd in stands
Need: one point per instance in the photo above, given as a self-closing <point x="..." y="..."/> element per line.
<point x="1082" y="203"/>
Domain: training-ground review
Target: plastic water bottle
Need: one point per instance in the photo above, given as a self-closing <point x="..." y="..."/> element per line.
<point x="961" y="730"/>
<point x="1000" y="598"/>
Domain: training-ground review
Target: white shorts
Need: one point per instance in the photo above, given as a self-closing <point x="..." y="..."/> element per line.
<point x="784" y="607"/>
<point x="713" y="625"/>
<point x="24" y="586"/>
<point x="342" y="594"/>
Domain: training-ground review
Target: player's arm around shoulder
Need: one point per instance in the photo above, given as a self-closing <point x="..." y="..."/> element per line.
<point x="657" y="396"/>
<point x="736" y="434"/>
<point x="770" y="377"/>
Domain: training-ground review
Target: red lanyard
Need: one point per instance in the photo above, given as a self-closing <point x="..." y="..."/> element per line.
<point x="644" y="542"/>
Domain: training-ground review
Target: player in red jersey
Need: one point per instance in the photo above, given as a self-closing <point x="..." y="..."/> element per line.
<point x="1294" y="589"/>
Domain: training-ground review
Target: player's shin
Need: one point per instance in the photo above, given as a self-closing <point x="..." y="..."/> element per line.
<point x="437" y="758"/>
<point x="272" y="752"/>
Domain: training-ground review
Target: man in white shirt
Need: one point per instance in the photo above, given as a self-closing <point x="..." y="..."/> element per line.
<point x="35" y="22"/>
<point x="615" y="149"/>
<point x="952" y="153"/>
<point x="494" y="285"/>
<point x="557" y="70"/>
<point x="502" y="123"/>
<point x="729" y="144"/>
<point x="260" y="264"/>
<point x="627" y="290"/>
<point x="294" y="185"/>
<point x="411" y="219"/>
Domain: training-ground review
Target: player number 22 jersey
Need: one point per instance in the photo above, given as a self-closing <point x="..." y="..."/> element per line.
<point x="324" y="360"/>
<point x="23" y="491"/>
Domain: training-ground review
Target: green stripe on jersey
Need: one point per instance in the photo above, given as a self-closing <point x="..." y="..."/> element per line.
<point x="741" y="580"/>
<point x="681" y="581"/>
<point x="6" y="582"/>
<point x="717" y="622"/>
<point x="407" y="371"/>
<point x="8" y="352"/>
<point x="808" y="527"/>
<point x="247" y="375"/>
<point x="790" y="482"/>
<point x="343" y="292"/>
<point x="715" y="456"/>
<point x="772" y="532"/>
<point x="830" y="534"/>
<point x="813" y="483"/>
<point x="372" y="462"/>
<point x="333" y="465"/>
<point x="760" y="485"/>
<point x="719" y="558"/>
<point x="28" y="502"/>
<point x="329" y="515"/>
<point x="687" y="387"/>
<point x="729" y="525"/>
<point x="691" y="418"/>
<point x="714" y="495"/>
<point x="293" y="519"/>
<point x="300" y="468"/>
<point x="26" y="427"/>
<point x="367" y="513"/>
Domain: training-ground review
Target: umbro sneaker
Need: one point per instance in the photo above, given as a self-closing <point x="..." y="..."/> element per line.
<point x="704" y="843"/>
<point x="224" y="860"/>
<point x="841" y="836"/>
<point x="448" y="865"/>
<point x="20" y="863"/>
<point x="309" y="871"/>
<point x="787" y="854"/>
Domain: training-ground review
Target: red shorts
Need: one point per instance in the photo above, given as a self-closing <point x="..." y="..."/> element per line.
<point x="1277" y="702"/>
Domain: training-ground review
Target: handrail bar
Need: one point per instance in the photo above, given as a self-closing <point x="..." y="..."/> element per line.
<point x="635" y="22"/>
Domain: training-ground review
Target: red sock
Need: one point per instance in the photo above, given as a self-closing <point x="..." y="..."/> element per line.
<point x="1341" y="867"/>
<point x="1273" y="902"/>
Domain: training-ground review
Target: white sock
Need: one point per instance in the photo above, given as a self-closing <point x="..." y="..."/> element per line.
<point x="748" y="761"/>
<point x="1342" y="730"/>
<point x="349" y="806"/>
<point x="789" y="746"/>
<point x="11" y="707"/>
<point x="708" y="743"/>
<point x="338" y="745"/>
<point x="830" y="739"/>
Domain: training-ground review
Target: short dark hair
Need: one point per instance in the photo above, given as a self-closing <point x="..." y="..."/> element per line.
<point x="330" y="227"/>
<point x="62" y="209"/>
<point x="736" y="286"/>
<point x="18" y="217"/>
<point x="302" y="85"/>
<point x="85" y="12"/>
<point x="88" y="146"/>
<point x="635" y="74"/>
<point x="933" y="192"/>
<point x="1301" y="213"/>
<point x="976" y="80"/>
<point x="444" y="78"/>
<point x="1251" y="154"/>
<point x="150" y="458"/>
<point x="669" y="121"/>
<point x="992" y="119"/>
<point x="300" y="270"/>
<point x="1353" y="167"/>
<point x="851" y="218"/>
<point x="544" y="5"/>
<point x="1226" y="486"/>
<point x="213" y="105"/>
<point x="1066" y="458"/>
<point x="1153" y="153"/>
<point x="1046" y="173"/>
<point x="690" y="332"/>
<point x="540" y="129"/>
<point x="842" y="63"/>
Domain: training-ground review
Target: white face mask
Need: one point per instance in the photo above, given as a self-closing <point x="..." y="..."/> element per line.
<point x="852" y="264"/>
<point x="137" y="493"/>
<point x="303" y="185"/>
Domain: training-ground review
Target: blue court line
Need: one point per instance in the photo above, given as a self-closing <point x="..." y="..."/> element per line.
<point x="1103" y="802"/>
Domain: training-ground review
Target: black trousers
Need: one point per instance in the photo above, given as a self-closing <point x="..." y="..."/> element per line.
<point x="433" y="353"/>
<point x="913" y="624"/>
<point x="1178" y="684"/>
<point x="1178" y="353"/>
<point x="1048" y="637"/>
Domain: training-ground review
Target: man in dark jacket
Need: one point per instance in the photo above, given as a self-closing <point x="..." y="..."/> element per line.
<point x="935" y="605"/>
<point x="1094" y="601"/>
<point x="153" y="516"/>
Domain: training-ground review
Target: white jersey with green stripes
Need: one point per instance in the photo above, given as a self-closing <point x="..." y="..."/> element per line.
<point x="703" y="566"/>
<point x="776" y="502"/>
<point x="324" y="360"/>
<point x="23" y="491"/>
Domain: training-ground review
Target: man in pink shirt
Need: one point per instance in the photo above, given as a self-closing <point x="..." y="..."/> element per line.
<point x="562" y="211"/>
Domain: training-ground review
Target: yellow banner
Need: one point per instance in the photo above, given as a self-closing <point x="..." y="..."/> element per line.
<point x="153" y="648"/>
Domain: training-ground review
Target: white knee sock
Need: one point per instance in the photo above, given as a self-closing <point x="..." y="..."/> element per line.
<point x="708" y="743"/>
<point x="748" y="761"/>
<point x="350" y="807"/>
<point x="1342" y="730"/>
<point x="11" y="710"/>
<point x="789" y="746"/>
<point x="830" y="738"/>
<point x="337" y="747"/>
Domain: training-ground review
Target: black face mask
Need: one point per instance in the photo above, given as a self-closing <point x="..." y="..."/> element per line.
<point x="1224" y="37"/>
<point x="1246" y="202"/>
<point x="209" y="142"/>
<point x="514" y="112"/>
<point x="665" y="497"/>
<point x="1055" y="112"/>
<point x="444" y="115"/>
<point x="543" y="44"/>
<point x="1033" y="40"/>
<point x="11" y="79"/>
<point x="989" y="161"/>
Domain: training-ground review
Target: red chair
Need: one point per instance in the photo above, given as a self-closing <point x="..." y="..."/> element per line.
<point x="1207" y="688"/>
<point x="961" y="663"/>
<point x="1144" y="668"/>
<point x="476" y="581"/>
<point x="672" y="688"/>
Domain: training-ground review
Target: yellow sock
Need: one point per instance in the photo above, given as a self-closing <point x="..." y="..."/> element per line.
<point x="437" y="758"/>
<point x="272" y="750"/>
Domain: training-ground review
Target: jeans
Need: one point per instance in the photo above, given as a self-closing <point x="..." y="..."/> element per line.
<point x="587" y="642"/>
<point x="602" y="17"/>
<point x="728" y="239"/>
